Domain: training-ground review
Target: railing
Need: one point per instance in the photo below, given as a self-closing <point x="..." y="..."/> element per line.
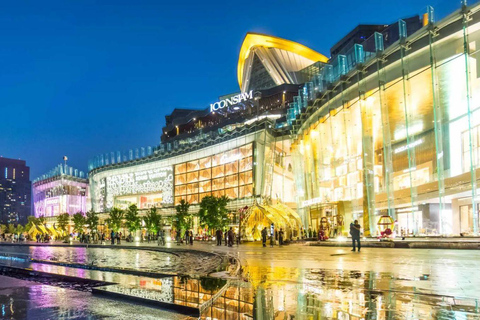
<point x="10" y="258"/>
<point x="62" y="169"/>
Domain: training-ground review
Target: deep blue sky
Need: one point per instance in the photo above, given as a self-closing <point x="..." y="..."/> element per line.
<point x="79" y="78"/>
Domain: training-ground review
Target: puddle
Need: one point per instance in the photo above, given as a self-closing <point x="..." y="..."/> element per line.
<point x="271" y="292"/>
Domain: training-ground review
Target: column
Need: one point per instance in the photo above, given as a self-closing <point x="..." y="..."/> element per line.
<point x="438" y="119"/>
<point x="466" y="52"/>
<point x="387" y="140"/>
<point x="367" y="150"/>
<point x="404" y="48"/>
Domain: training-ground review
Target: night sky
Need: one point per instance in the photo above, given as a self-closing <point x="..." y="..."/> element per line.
<point x="79" y="78"/>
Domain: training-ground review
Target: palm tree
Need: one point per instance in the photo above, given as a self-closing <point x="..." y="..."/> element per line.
<point x="31" y="222"/>
<point x="41" y="220"/>
<point x="11" y="229"/>
<point x="19" y="230"/>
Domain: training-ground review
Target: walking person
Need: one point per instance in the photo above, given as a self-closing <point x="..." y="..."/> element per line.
<point x="264" y="236"/>
<point x="219" y="235"/>
<point x="230" y="237"/>
<point x="112" y="237"/>
<point x="355" y="232"/>
<point x="191" y="237"/>
<point x="226" y="237"/>
<point x="161" y="237"/>
<point x="280" y="237"/>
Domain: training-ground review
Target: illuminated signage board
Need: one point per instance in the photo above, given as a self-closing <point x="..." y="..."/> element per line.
<point x="244" y="96"/>
<point x="311" y="202"/>
<point x="51" y="201"/>
<point x="158" y="180"/>
<point x="408" y="146"/>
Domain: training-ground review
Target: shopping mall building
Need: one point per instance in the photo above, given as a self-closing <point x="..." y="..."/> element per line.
<point x="388" y="126"/>
<point x="238" y="146"/>
<point x="62" y="190"/>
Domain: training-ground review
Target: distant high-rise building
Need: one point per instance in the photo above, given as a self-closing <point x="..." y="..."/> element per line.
<point x="15" y="191"/>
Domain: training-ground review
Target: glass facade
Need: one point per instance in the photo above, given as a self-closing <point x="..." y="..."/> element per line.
<point x="231" y="167"/>
<point x="397" y="134"/>
<point x="62" y="194"/>
<point x="228" y="173"/>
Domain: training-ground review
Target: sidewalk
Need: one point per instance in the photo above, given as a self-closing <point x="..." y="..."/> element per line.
<point x="470" y="243"/>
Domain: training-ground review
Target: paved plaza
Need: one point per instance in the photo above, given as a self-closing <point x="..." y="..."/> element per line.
<point x="294" y="280"/>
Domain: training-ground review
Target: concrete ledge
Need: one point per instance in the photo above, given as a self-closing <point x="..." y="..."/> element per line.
<point x="35" y="273"/>
<point x="174" y="251"/>
<point x="107" y="269"/>
<point x="186" y="310"/>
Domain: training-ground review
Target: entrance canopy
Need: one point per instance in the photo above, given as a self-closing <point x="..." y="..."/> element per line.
<point x="258" y="217"/>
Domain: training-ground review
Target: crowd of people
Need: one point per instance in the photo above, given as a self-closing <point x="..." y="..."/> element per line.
<point x="13" y="237"/>
<point x="229" y="236"/>
<point x="223" y="237"/>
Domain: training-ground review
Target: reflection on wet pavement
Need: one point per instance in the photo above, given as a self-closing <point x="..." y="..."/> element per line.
<point x="335" y="299"/>
<point x="27" y="300"/>
<point x="200" y="263"/>
<point x="296" y="284"/>
<point x="120" y="258"/>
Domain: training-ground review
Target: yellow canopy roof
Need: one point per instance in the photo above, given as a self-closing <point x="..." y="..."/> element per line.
<point x="261" y="40"/>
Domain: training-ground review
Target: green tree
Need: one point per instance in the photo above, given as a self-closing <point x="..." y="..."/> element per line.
<point x="62" y="222"/>
<point x="114" y="220"/>
<point x="183" y="219"/>
<point x="31" y="221"/>
<point x="19" y="229"/>
<point x="222" y="211"/>
<point x="92" y="220"/>
<point x="41" y="220"/>
<point x="132" y="220"/>
<point x="78" y="222"/>
<point x="213" y="212"/>
<point x="3" y="228"/>
<point x="152" y="220"/>
<point x="11" y="229"/>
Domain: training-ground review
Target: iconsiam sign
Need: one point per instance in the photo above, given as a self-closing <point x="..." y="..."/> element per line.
<point x="141" y="182"/>
<point x="244" y="96"/>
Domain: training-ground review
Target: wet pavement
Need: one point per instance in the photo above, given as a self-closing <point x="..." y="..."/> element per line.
<point x="140" y="260"/>
<point x="21" y="299"/>
<point x="301" y="282"/>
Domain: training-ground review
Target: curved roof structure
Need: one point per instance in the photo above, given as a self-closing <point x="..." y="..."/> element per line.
<point x="280" y="59"/>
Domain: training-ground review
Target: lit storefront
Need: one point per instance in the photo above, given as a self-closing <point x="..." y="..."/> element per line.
<point x="235" y="168"/>
<point x="229" y="173"/>
<point x="63" y="190"/>
<point x="395" y="134"/>
<point x="238" y="147"/>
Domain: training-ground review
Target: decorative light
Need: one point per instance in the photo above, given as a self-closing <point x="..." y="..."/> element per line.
<point x="140" y="182"/>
